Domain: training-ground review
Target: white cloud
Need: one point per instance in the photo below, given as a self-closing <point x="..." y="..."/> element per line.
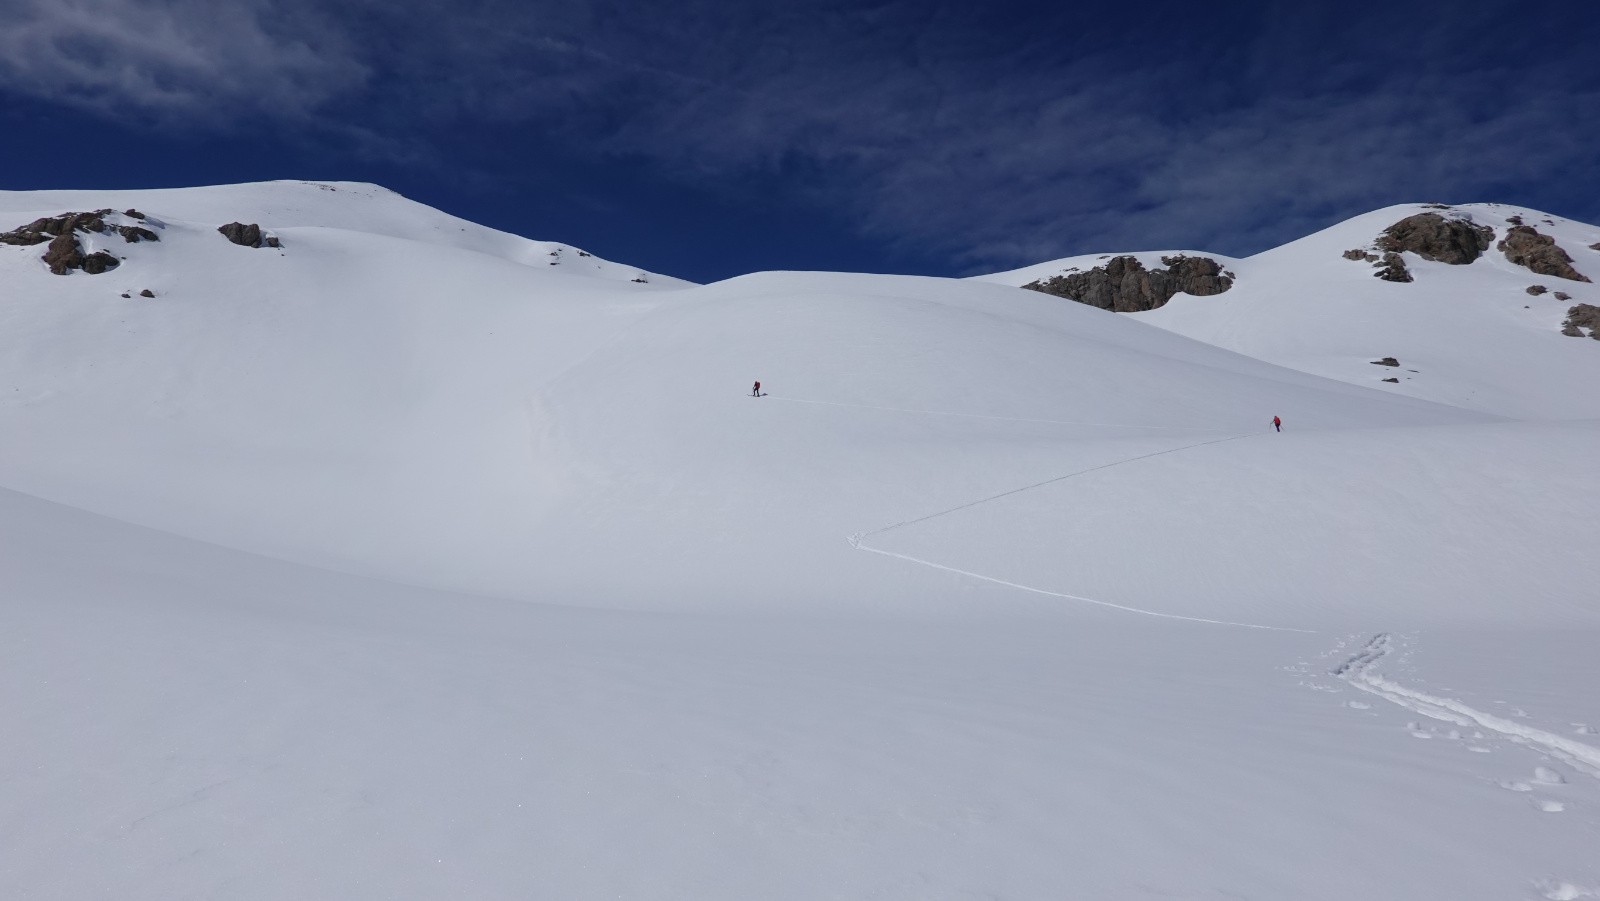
<point x="931" y="135"/>
<point x="208" y="62"/>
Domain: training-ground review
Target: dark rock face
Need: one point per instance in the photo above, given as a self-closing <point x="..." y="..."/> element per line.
<point x="1524" y="246"/>
<point x="147" y="293"/>
<point x="244" y="235"/>
<point x="1536" y="290"/>
<point x="41" y="230"/>
<point x="133" y="234"/>
<point x="63" y="254"/>
<point x="1582" y="316"/>
<point x="1514" y="220"/>
<point x="133" y="214"/>
<point x="1123" y="285"/>
<point x="1396" y="381"/>
<point x="1386" y="361"/>
<point x="23" y="238"/>
<point x="1433" y="237"/>
<point x="1355" y="254"/>
<point x="1393" y="269"/>
<point x="1595" y="246"/>
<point x="1562" y="295"/>
<point x="100" y="261"/>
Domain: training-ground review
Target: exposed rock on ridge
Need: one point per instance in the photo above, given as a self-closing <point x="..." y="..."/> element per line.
<point x="65" y="253"/>
<point x="1123" y="285"/>
<point x="1393" y="268"/>
<point x="1524" y="246"/>
<point x="247" y="235"/>
<point x="1582" y="316"/>
<point x="1433" y="237"/>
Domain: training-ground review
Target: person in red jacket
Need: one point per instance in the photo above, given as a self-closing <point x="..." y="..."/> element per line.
<point x="756" y="391"/>
<point x="1277" y="424"/>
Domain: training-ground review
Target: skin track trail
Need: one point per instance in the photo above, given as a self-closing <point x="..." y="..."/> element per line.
<point x="1360" y="672"/>
<point x="856" y="541"/>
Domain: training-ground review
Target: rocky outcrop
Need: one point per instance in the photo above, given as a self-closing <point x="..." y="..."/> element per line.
<point x="247" y="235"/>
<point x="147" y="293"/>
<point x="1393" y="380"/>
<point x="1582" y="316"/>
<point x="1393" y="269"/>
<point x="1536" y="290"/>
<point x="1434" y="237"/>
<point x="23" y="237"/>
<point x="65" y="253"/>
<point x="41" y="230"/>
<point x="1386" y="361"/>
<point x="1124" y="285"/>
<point x="100" y="261"/>
<point x="1524" y="246"/>
<point x="1562" y="295"/>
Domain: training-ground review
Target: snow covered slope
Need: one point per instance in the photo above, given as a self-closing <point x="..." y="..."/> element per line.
<point x="1466" y="335"/>
<point x="284" y="206"/>
<point x="186" y="721"/>
<point x="327" y="399"/>
<point x="397" y="562"/>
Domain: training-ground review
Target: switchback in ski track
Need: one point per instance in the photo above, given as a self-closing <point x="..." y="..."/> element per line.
<point x="857" y="539"/>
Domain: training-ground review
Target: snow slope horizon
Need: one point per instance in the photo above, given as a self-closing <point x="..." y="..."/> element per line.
<point x="348" y="206"/>
<point x="920" y="622"/>
<point x="419" y="412"/>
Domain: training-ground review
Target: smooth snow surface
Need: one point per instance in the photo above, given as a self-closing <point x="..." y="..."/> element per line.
<point x="403" y="564"/>
<point x="1467" y="335"/>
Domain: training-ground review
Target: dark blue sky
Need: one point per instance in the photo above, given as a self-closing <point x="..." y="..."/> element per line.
<point x="708" y="139"/>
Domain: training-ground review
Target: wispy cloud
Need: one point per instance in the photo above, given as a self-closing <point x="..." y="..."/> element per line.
<point x="174" y="61"/>
<point x="989" y="135"/>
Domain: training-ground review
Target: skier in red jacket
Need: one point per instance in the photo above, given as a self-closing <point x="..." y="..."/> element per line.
<point x="756" y="391"/>
<point x="1277" y="424"/>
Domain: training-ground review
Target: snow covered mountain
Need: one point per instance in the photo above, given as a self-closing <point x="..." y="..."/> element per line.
<point x="407" y="559"/>
<point x="1485" y="334"/>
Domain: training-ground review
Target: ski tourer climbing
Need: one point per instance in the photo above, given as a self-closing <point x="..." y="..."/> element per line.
<point x="756" y="391"/>
<point x="1277" y="424"/>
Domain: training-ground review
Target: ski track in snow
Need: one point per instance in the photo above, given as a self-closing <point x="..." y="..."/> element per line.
<point x="1049" y="481"/>
<point x="1359" y="672"/>
<point x="856" y="543"/>
<point x="857" y="538"/>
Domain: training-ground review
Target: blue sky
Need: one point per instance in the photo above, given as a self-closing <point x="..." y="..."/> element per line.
<point x="709" y="139"/>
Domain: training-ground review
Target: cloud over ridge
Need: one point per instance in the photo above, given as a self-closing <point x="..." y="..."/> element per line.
<point x="987" y="136"/>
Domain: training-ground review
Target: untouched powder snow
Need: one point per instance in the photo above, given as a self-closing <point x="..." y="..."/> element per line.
<point x="404" y="564"/>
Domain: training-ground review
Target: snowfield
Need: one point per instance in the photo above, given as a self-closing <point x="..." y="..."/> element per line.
<point x="1466" y="335"/>
<point x="400" y="563"/>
